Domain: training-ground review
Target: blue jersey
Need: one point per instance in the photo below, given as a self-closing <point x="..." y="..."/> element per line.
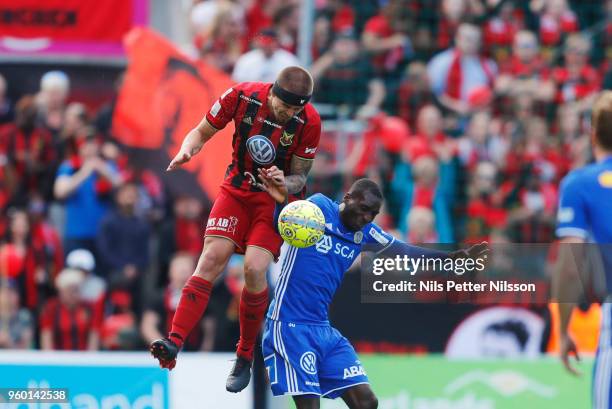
<point x="585" y="208"/>
<point x="310" y="277"/>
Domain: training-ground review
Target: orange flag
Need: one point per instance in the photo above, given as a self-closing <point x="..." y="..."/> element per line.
<point x="163" y="96"/>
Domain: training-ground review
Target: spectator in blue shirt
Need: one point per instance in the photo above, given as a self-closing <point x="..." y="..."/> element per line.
<point x="84" y="183"/>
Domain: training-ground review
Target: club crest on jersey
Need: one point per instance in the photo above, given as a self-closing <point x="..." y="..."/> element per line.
<point x="261" y="149"/>
<point x="287" y="138"/>
<point x="605" y="179"/>
<point x="358" y="237"/>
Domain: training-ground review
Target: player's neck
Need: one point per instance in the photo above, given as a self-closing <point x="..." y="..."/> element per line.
<point x="601" y="154"/>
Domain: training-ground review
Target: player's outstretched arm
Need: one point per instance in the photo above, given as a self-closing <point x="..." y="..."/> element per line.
<point x="193" y="143"/>
<point x="567" y="290"/>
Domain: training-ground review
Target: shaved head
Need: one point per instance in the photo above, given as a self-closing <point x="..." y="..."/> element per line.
<point x="296" y="80"/>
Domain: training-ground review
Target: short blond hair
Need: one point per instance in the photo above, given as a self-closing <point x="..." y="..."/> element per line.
<point x="601" y="120"/>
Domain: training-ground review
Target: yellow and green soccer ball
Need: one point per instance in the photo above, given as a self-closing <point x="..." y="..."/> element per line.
<point x="301" y="223"/>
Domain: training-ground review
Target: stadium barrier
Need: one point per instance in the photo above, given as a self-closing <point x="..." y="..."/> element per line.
<point x="436" y="382"/>
<point x="123" y="380"/>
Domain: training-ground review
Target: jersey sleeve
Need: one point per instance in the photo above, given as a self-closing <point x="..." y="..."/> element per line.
<point x="310" y="139"/>
<point x="223" y="109"/>
<point x="319" y="199"/>
<point x="65" y="169"/>
<point x="375" y="235"/>
<point x="572" y="218"/>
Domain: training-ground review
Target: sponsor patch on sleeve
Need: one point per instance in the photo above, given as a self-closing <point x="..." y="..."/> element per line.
<point x="215" y="109"/>
<point x="565" y="215"/>
<point x="378" y="237"/>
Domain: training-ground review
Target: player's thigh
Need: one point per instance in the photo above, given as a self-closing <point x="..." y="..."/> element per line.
<point x="360" y="397"/>
<point x="290" y="357"/>
<point x="262" y="233"/>
<point x="341" y="368"/>
<point x="230" y="218"/>
<point x="256" y="262"/>
<point x="215" y="255"/>
<point x="307" y="402"/>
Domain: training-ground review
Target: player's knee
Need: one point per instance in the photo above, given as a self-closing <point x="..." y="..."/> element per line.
<point x="211" y="264"/>
<point x="253" y="273"/>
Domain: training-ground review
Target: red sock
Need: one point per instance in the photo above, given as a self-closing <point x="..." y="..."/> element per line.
<point x="252" y="310"/>
<point x="191" y="306"/>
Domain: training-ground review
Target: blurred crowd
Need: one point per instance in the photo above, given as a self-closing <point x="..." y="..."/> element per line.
<point x="467" y="112"/>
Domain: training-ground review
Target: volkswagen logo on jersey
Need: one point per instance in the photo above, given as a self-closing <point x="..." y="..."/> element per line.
<point x="308" y="362"/>
<point x="261" y="149"/>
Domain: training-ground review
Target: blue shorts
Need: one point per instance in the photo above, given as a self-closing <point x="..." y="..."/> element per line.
<point x="309" y="360"/>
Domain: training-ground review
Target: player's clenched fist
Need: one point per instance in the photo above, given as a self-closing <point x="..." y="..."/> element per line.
<point x="182" y="157"/>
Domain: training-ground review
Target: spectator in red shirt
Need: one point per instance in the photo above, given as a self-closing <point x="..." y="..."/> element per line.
<point x="576" y="80"/>
<point x="222" y="45"/>
<point x="452" y="14"/>
<point x="344" y="76"/>
<point x="29" y="151"/>
<point x="66" y="322"/>
<point x="485" y="208"/>
<point x="286" y="22"/>
<point x="25" y="259"/>
<point x="429" y="138"/>
<point x="414" y="93"/>
<point x="526" y="73"/>
<point x="499" y="31"/>
<point x="51" y="99"/>
<point x="556" y="19"/>
<point x="477" y="145"/>
<point x="385" y="36"/>
<point x="182" y="233"/>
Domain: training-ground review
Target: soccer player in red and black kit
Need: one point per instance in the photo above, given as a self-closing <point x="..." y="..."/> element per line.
<point x="276" y="127"/>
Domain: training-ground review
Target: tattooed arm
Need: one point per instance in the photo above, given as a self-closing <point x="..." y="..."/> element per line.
<point x="299" y="171"/>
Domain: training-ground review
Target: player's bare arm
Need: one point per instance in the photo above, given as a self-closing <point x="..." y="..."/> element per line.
<point x="193" y="143"/>
<point x="566" y="291"/>
<point x="299" y="172"/>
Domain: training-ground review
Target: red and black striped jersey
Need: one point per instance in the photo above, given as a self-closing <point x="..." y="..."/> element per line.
<point x="259" y="141"/>
<point x="70" y="327"/>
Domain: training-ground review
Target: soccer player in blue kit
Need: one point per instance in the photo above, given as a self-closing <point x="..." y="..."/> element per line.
<point x="304" y="355"/>
<point x="585" y="215"/>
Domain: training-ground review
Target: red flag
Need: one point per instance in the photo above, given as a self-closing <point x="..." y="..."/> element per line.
<point x="164" y="95"/>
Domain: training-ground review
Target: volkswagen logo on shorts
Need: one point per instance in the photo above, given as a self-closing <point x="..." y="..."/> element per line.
<point x="308" y="362"/>
<point x="261" y="149"/>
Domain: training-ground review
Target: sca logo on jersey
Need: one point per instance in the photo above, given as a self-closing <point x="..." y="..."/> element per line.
<point x="353" y="371"/>
<point x="261" y="149"/>
<point x="326" y="244"/>
<point x="308" y="362"/>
